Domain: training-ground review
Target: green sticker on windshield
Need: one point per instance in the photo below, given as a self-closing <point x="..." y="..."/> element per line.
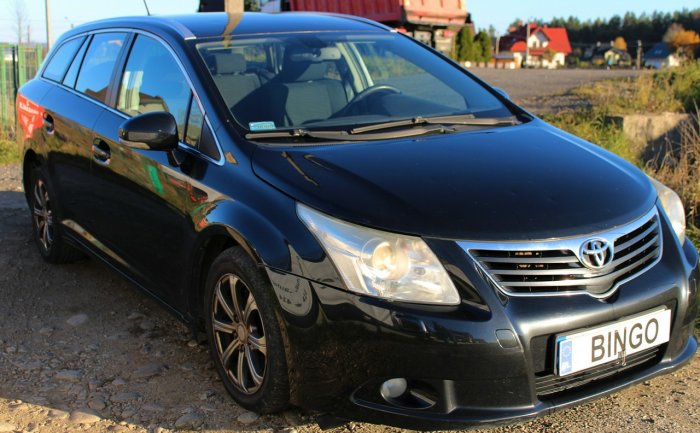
<point x="261" y="126"/>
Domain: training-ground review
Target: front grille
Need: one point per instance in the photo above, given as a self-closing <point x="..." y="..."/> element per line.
<point x="554" y="267"/>
<point x="551" y="385"/>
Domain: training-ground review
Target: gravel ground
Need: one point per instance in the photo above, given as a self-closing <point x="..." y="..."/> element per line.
<point x="69" y="363"/>
<point x="547" y="91"/>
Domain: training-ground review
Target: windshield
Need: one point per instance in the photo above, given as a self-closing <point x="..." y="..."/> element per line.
<point x="337" y="80"/>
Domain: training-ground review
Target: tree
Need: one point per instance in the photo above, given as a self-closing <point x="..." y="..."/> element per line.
<point x="251" y="5"/>
<point x="684" y="42"/>
<point x="620" y="43"/>
<point x="483" y="46"/>
<point x="466" y="49"/>
<point x="19" y="13"/>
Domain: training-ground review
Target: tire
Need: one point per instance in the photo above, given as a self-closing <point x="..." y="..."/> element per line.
<point x="48" y="233"/>
<point x="246" y="344"/>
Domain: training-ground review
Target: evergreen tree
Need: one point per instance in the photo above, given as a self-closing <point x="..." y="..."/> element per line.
<point x="483" y="43"/>
<point x="465" y="45"/>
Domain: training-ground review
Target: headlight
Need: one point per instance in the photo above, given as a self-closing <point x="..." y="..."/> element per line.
<point x="673" y="206"/>
<point x="381" y="264"/>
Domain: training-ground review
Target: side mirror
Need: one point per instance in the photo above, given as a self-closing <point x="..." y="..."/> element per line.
<point x="150" y="131"/>
<point x="501" y="92"/>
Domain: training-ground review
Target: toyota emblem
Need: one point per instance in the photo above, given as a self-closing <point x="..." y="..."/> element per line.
<point x="596" y="253"/>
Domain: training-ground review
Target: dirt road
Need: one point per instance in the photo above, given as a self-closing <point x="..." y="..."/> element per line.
<point x="82" y="350"/>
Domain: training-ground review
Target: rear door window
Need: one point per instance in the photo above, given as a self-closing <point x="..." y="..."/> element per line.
<point x="98" y="65"/>
<point x="152" y="81"/>
<point x="59" y="62"/>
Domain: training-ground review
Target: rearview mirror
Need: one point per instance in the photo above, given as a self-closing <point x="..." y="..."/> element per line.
<point x="150" y="131"/>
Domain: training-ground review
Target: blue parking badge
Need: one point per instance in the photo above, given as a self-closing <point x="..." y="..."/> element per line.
<point x="565" y="361"/>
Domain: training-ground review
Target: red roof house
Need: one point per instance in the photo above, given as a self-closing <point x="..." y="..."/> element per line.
<point x="548" y="46"/>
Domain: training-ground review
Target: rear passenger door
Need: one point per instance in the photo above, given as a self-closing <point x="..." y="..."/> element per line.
<point x="71" y="109"/>
<point x="145" y="199"/>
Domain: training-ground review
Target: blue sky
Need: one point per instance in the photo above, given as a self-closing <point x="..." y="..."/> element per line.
<point x="498" y="13"/>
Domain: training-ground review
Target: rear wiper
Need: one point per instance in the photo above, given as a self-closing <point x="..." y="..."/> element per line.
<point x="461" y="119"/>
<point x="348" y="135"/>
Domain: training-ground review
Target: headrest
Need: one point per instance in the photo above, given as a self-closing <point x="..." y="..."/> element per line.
<point x="231" y="63"/>
<point x="307" y="64"/>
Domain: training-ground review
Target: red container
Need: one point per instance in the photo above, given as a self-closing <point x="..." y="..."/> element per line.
<point x="436" y="12"/>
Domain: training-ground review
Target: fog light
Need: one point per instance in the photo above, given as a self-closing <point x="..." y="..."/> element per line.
<point x="393" y="388"/>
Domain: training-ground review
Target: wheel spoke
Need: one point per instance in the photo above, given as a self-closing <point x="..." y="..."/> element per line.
<point x="45" y="234"/>
<point x="239" y="371"/>
<point x="258" y="343"/>
<point x="250" y="307"/>
<point x="233" y="282"/>
<point x="257" y="377"/>
<point x="230" y="350"/>
<point x="223" y="303"/>
<point x="226" y="328"/>
<point x="38" y="196"/>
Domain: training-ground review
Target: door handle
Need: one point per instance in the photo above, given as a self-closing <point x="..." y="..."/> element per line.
<point x="100" y="151"/>
<point x="48" y="123"/>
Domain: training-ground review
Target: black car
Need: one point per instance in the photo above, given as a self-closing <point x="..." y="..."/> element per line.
<point x="355" y="223"/>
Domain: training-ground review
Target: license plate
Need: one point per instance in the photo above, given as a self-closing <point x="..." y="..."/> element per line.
<point x="592" y="347"/>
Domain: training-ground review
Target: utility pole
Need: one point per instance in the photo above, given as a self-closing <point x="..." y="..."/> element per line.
<point x="48" y="24"/>
<point x="29" y="33"/>
<point x="527" y="44"/>
<point x="639" y="54"/>
<point x="234" y="6"/>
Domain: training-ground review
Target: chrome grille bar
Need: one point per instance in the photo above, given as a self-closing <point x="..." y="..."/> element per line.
<point x="554" y="267"/>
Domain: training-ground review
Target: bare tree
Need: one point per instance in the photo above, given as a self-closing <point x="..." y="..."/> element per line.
<point x="18" y="11"/>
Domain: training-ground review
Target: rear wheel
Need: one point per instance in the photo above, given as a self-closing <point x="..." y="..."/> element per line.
<point x="244" y="333"/>
<point x="47" y="231"/>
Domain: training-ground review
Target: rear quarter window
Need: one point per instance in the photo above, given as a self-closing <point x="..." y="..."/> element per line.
<point x="59" y="62"/>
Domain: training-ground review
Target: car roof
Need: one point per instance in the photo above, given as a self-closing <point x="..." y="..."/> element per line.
<point x="218" y="24"/>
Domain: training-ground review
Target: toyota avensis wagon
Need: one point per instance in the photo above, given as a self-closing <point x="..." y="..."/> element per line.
<point x="355" y="223"/>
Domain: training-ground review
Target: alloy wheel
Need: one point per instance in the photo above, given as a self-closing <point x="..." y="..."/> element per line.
<point x="43" y="215"/>
<point x="239" y="334"/>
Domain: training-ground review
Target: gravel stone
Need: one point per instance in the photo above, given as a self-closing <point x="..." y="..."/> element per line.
<point x="7" y="427"/>
<point x="125" y="397"/>
<point x="148" y="371"/>
<point x="189" y="421"/>
<point x="248" y="417"/>
<point x="72" y="376"/>
<point x="84" y="416"/>
<point x="77" y="320"/>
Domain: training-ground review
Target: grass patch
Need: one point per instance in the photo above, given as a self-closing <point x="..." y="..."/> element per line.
<point x="9" y="152"/>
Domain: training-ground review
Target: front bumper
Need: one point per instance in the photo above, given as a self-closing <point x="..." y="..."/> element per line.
<point x="481" y="363"/>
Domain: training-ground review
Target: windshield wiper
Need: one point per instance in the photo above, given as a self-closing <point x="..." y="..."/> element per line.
<point x="349" y="135"/>
<point x="461" y="119"/>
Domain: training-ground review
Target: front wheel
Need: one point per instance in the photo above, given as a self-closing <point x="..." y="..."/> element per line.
<point x="244" y="333"/>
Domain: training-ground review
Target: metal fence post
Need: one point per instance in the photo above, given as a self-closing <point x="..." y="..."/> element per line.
<point x="14" y="79"/>
<point x="3" y="88"/>
<point x="22" y="62"/>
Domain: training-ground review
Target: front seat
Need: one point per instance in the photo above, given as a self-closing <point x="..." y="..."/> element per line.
<point x="302" y="92"/>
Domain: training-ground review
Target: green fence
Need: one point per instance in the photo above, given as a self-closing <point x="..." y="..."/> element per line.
<point x="19" y="64"/>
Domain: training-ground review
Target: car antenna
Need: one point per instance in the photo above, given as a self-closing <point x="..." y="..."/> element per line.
<point x="148" y="12"/>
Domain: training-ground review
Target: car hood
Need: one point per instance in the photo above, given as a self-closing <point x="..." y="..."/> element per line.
<point x="525" y="182"/>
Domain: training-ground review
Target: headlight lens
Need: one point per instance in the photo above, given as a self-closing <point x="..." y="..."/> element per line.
<point x="376" y="263"/>
<point x="673" y="206"/>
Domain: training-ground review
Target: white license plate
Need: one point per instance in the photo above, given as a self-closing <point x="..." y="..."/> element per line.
<point x="592" y="347"/>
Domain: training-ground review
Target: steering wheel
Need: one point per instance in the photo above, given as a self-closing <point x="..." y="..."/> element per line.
<point x="363" y="95"/>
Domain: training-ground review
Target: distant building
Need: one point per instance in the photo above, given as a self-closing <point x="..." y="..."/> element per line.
<point x="548" y="46"/>
<point x="607" y="55"/>
<point x="659" y="56"/>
